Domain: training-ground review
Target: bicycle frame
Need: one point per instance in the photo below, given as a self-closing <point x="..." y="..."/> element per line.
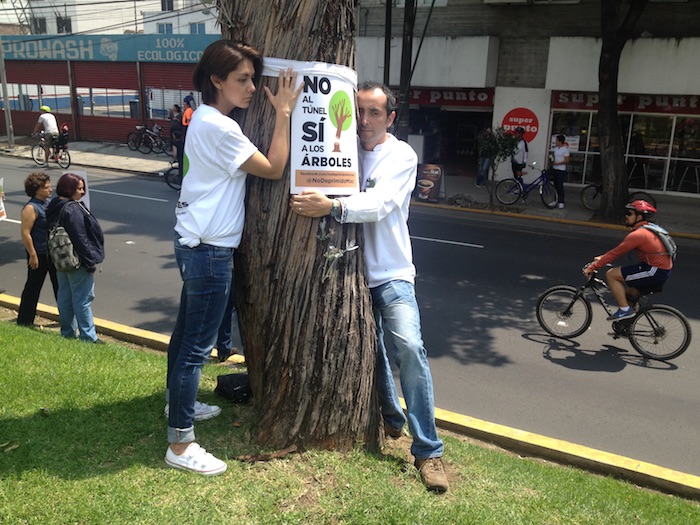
<point x="598" y="286"/>
<point x="56" y="148"/>
<point x="541" y="180"/>
<point x="509" y="190"/>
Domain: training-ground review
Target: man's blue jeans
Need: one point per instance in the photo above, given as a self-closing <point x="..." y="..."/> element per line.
<point x="482" y="170"/>
<point x="396" y="312"/>
<point x="76" y="291"/>
<point x="206" y="274"/>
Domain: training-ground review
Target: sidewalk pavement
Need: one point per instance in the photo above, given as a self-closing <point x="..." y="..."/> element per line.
<point x="680" y="216"/>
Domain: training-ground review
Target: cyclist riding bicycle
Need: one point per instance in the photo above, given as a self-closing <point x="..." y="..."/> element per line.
<point x="47" y="123"/>
<point x="653" y="268"/>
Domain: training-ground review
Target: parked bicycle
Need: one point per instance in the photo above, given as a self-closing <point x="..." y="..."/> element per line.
<point x="59" y="152"/>
<point x="656" y="331"/>
<point x="146" y="140"/>
<point x="591" y="196"/>
<point x="173" y="178"/>
<point x="509" y="191"/>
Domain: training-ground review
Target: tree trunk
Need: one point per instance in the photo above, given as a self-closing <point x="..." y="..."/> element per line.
<point x="307" y="321"/>
<point x="612" y="153"/>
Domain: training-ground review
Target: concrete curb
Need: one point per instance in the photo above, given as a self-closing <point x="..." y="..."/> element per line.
<point x="20" y="154"/>
<point x="519" y="441"/>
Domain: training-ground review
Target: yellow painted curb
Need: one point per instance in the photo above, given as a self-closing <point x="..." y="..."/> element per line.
<point x="639" y="472"/>
<point x="119" y="331"/>
<point x="520" y="441"/>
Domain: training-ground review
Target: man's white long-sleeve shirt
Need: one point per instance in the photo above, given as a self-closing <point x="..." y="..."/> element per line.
<point x="388" y="177"/>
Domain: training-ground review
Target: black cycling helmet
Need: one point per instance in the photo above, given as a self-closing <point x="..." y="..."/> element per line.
<point x="641" y="207"/>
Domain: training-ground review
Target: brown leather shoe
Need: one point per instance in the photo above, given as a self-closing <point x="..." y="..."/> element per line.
<point x="393" y="433"/>
<point x="432" y="473"/>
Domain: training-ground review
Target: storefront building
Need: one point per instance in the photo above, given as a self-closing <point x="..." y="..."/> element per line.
<point x="659" y="108"/>
<point x="102" y="86"/>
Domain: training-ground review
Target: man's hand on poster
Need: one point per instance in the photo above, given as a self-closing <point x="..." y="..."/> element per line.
<point x="311" y="204"/>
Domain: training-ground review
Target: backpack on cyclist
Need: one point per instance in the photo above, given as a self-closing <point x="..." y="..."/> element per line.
<point x="665" y="238"/>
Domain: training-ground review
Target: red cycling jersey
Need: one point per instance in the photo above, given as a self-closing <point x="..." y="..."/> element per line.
<point x="645" y="243"/>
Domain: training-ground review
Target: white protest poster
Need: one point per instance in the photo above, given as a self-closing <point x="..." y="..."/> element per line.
<point x="3" y="213"/>
<point x="323" y="127"/>
<point x="86" y="198"/>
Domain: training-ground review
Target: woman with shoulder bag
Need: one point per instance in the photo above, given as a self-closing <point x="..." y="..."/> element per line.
<point x="76" y="288"/>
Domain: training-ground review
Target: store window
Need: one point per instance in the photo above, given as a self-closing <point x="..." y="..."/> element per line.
<point x="162" y="100"/>
<point x="575" y="126"/>
<point x="684" y="164"/>
<point x="30" y="97"/>
<point x="686" y="139"/>
<point x="662" y="152"/>
<point x="107" y="102"/>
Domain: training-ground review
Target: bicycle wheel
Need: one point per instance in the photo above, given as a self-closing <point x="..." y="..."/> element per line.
<point x="508" y="191"/>
<point x="549" y="195"/>
<point x="157" y="144"/>
<point x="660" y="332"/>
<point x="133" y="140"/>
<point x="173" y="178"/>
<point x="563" y="312"/>
<point x="643" y="196"/>
<point x="38" y="154"/>
<point x="63" y="158"/>
<point x="590" y="197"/>
<point x="146" y="145"/>
<point x="166" y="146"/>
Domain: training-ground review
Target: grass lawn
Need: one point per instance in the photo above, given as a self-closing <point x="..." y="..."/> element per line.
<point x="83" y="436"/>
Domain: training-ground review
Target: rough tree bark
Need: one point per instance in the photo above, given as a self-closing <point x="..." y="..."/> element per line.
<point x="307" y="320"/>
<point x="612" y="153"/>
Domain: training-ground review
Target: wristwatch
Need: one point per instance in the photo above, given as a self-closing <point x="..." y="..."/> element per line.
<point x="335" y="209"/>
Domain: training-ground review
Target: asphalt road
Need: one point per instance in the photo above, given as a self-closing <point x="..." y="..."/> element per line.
<point x="479" y="278"/>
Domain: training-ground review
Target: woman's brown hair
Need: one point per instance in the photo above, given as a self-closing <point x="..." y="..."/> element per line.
<point x="219" y="59"/>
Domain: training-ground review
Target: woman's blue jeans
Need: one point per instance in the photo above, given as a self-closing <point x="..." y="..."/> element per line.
<point x="76" y="291"/>
<point x="396" y="312"/>
<point x="206" y="276"/>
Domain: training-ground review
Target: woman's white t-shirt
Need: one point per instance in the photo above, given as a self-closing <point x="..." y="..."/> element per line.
<point x="211" y="209"/>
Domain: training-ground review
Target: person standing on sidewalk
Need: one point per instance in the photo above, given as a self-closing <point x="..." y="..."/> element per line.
<point x="76" y="289"/>
<point x="557" y="170"/>
<point x="486" y="145"/>
<point x="388" y="175"/>
<point x="34" y="233"/>
<point x="518" y="160"/>
<point x="210" y="216"/>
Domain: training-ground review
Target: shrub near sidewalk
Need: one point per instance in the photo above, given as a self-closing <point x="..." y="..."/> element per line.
<point x="82" y="440"/>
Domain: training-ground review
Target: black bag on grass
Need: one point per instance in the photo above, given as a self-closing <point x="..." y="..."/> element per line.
<point x="234" y="387"/>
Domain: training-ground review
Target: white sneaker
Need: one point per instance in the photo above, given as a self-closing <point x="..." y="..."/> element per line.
<point x="561" y="204"/>
<point x="195" y="459"/>
<point x="202" y="411"/>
